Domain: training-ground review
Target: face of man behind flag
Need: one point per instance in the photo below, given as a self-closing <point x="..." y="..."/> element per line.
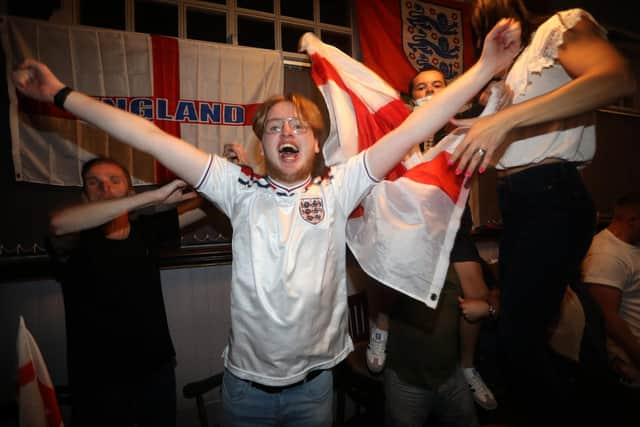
<point x="205" y="93"/>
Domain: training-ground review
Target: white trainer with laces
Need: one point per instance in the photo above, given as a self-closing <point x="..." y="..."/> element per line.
<point x="377" y="350"/>
<point x="481" y="393"/>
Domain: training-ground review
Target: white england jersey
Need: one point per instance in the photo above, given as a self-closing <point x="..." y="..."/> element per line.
<point x="289" y="291"/>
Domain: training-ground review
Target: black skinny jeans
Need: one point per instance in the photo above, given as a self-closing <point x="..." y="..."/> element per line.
<point x="549" y="221"/>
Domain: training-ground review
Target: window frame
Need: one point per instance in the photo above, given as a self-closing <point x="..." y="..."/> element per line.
<point x="232" y="12"/>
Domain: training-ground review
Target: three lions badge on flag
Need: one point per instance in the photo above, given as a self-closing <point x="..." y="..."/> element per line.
<point x="400" y="38"/>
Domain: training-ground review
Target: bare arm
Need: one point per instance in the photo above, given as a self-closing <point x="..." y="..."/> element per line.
<point x="501" y="44"/>
<point x="600" y="76"/>
<point x="475" y="304"/>
<point x="608" y="298"/>
<point x="89" y="215"/>
<point x="191" y="211"/>
<point x="471" y="279"/>
<point x="35" y="80"/>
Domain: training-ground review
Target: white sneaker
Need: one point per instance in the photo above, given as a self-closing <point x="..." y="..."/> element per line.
<point x="377" y="350"/>
<point x="481" y="393"/>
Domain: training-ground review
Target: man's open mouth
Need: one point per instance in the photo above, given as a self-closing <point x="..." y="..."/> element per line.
<point x="288" y="151"/>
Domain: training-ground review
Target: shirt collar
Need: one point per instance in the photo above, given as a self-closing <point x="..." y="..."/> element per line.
<point x="285" y="190"/>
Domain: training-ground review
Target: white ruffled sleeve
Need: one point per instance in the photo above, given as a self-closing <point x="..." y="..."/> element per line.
<point x="542" y="51"/>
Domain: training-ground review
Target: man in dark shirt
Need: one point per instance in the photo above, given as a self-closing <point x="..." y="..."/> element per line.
<point x="120" y="354"/>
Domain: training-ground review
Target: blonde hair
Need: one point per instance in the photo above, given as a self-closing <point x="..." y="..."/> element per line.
<point x="307" y="110"/>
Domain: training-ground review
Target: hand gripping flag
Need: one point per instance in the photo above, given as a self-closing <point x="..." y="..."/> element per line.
<point x="36" y="395"/>
<point x="409" y="221"/>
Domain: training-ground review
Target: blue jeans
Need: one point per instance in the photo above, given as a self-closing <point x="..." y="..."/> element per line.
<point x="549" y="221"/>
<point x="408" y="405"/>
<point x="308" y="404"/>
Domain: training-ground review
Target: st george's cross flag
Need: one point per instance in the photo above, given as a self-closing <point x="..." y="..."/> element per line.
<point x="407" y="225"/>
<point x="206" y="93"/>
<point x="401" y="37"/>
<point x="36" y="395"/>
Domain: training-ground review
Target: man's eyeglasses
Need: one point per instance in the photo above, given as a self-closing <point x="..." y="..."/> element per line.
<point x="298" y="127"/>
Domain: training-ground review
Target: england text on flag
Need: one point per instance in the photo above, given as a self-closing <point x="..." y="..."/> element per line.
<point x="205" y="93"/>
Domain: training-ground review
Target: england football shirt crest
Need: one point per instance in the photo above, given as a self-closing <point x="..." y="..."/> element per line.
<point x="311" y="209"/>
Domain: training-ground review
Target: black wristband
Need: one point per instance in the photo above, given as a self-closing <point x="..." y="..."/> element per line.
<point x="61" y="96"/>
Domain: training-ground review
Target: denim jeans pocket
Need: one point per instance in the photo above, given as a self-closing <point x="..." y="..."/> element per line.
<point x="234" y="388"/>
<point x="318" y="388"/>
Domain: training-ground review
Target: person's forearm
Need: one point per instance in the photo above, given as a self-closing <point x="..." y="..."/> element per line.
<point x="190" y="212"/>
<point x="600" y="75"/>
<point x="191" y="217"/>
<point x="576" y="97"/>
<point x="90" y="215"/>
<point x="35" y="80"/>
<point x="182" y="158"/>
<point x="471" y="279"/>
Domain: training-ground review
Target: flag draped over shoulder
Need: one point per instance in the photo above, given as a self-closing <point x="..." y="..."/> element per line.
<point x="36" y="395"/>
<point x="405" y="234"/>
<point x="205" y="93"/>
<point x="399" y="38"/>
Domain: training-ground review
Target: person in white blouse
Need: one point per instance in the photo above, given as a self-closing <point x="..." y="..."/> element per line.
<point x="566" y="70"/>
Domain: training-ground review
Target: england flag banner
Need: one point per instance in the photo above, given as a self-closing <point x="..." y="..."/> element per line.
<point x="36" y="394"/>
<point x="403" y="234"/>
<point x="206" y="93"/>
<point x="398" y="38"/>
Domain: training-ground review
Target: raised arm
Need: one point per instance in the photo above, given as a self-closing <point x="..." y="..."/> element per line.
<point x="35" y="80"/>
<point x="93" y="214"/>
<point x="601" y="75"/>
<point x="501" y="45"/>
<point x="191" y="211"/>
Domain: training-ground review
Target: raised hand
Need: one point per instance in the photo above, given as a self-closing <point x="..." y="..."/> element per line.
<point x="172" y="193"/>
<point x="502" y="44"/>
<point x="36" y="80"/>
<point x="236" y="153"/>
